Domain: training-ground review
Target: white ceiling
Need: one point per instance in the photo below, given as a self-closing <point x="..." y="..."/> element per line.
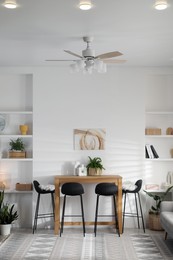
<point x="41" y="29"/>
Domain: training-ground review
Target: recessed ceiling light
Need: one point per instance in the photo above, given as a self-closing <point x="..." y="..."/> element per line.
<point x="161" y="4"/>
<point x="85" y="5"/>
<point x="11" y="4"/>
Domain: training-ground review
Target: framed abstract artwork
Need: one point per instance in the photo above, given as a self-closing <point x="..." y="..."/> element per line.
<point x="89" y="139"/>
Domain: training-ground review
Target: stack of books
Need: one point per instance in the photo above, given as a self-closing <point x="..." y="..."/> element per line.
<point x="150" y="152"/>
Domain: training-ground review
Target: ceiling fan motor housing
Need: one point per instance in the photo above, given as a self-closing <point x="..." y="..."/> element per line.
<point x="88" y="53"/>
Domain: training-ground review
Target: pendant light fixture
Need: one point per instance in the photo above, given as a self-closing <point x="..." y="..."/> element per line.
<point x="161" y="5"/>
<point x="11" y="4"/>
<point x="85" y="5"/>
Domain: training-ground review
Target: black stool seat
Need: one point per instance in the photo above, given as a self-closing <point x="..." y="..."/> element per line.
<point x="72" y="189"/>
<point x="106" y="189"/>
<point x="135" y="191"/>
<point x="40" y="191"/>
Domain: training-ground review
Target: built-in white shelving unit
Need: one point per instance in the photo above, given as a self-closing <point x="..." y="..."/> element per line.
<point x="159" y="114"/>
<point x="16" y="107"/>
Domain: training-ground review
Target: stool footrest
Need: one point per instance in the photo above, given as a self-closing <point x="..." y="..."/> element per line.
<point x="72" y="215"/>
<point x="105" y="215"/>
<point x="132" y="215"/>
<point x="45" y="215"/>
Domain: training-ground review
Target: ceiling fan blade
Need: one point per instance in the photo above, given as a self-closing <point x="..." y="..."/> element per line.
<point x="60" y="60"/>
<point x="109" y="55"/>
<point x="72" y="53"/>
<point x="114" y="61"/>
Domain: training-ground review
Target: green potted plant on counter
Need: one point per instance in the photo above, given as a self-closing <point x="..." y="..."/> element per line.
<point x="154" y="211"/>
<point x="95" y="166"/>
<point x="7" y="216"/>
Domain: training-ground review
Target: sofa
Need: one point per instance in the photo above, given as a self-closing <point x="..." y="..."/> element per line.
<point x="166" y="217"/>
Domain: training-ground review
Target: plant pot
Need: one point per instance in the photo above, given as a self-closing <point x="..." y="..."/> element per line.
<point x="5" y="229"/>
<point x="154" y="222"/>
<point x="23" y="129"/>
<point x="93" y="171"/>
<point x="17" y="154"/>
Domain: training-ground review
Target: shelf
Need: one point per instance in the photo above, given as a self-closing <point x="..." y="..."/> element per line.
<point x="18" y="192"/>
<point x="160" y="159"/>
<point x="159" y="136"/>
<point x="159" y="112"/>
<point x="15" y="136"/>
<point x="17" y="112"/>
<point x="157" y="191"/>
<point x="17" y="159"/>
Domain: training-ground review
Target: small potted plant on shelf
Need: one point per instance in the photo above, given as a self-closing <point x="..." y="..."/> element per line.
<point x="17" y="148"/>
<point x="154" y="212"/>
<point x="7" y="216"/>
<point x="95" y="166"/>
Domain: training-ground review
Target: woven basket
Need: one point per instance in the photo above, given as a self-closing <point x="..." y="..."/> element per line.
<point x="16" y="154"/>
<point x="154" y="222"/>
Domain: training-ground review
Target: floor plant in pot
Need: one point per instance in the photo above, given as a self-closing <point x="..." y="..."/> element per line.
<point x="154" y="212"/>
<point x="7" y="216"/>
<point x="95" y="166"/>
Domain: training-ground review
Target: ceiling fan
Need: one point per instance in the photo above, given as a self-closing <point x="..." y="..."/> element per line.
<point x="88" y="60"/>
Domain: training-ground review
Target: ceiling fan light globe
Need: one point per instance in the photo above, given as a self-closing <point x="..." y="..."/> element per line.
<point x="10" y="4"/>
<point x="80" y="64"/>
<point x="161" y="5"/>
<point x="85" y="5"/>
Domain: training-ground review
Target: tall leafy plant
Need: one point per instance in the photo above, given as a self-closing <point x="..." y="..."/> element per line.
<point x="7" y="213"/>
<point x="155" y="209"/>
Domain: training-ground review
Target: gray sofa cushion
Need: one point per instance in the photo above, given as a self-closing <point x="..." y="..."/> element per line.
<point x="166" y="216"/>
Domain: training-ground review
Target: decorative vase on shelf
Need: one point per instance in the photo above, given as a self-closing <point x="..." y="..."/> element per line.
<point x="23" y="129"/>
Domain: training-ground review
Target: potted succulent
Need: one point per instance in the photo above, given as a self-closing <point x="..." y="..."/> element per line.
<point x="7" y="216"/>
<point x="154" y="212"/>
<point x="95" y="166"/>
<point x="17" y="148"/>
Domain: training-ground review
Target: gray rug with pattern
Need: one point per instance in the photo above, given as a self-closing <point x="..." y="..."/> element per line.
<point x="76" y="247"/>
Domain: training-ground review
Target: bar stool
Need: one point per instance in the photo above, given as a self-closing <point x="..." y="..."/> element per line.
<point x="106" y="189"/>
<point x="136" y="191"/>
<point x="42" y="191"/>
<point x="72" y="189"/>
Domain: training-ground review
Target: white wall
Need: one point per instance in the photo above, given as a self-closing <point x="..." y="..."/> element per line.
<point x="114" y="101"/>
<point x="64" y="101"/>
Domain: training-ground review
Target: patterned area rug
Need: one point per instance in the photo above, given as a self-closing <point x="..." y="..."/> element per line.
<point x="75" y="247"/>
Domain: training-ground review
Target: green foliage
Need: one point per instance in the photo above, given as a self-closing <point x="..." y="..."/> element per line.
<point x="7" y="213"/>
<point x="158" y="199"/>
<point x="1" y="198"/>
<point x="95" y="163"/>
<point x="17" y="145"/>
